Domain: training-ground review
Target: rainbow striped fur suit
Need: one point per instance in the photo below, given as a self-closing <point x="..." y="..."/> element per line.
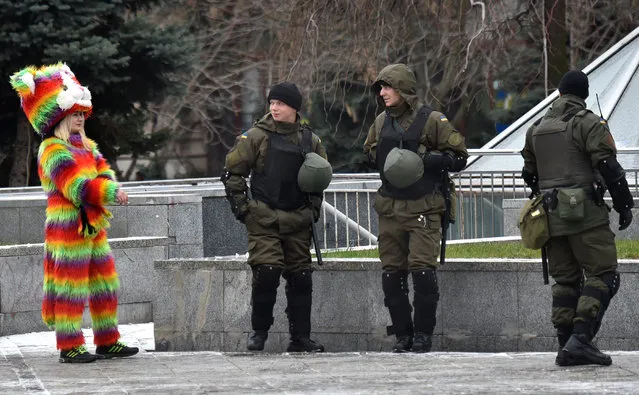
<point x="78" y="262"/>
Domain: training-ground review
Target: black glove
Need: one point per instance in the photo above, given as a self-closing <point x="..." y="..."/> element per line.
<point x="532" y="181"/>
<point x="437" y="161"/>
<point x="625" y="218"/>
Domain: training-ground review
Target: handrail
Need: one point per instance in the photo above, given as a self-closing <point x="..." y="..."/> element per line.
<point x="512" y="151"/>
<point x="349" y="222"/>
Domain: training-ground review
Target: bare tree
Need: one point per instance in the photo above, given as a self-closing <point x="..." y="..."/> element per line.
<point x="457" y="48"/>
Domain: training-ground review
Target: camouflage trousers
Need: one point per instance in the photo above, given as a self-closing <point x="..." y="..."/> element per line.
<point x="267" y="245"/>
<point x="409" y="243"/>
<point x="582" y="266"/>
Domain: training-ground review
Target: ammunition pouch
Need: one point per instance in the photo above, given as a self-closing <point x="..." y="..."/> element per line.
<point x="570" y="204"/>
<point x="533" y="223"/>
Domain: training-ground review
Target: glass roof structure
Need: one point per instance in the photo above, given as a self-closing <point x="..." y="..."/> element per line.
<point x="614" y="77"/>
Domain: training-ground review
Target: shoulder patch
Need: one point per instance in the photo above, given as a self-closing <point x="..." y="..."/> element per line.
<point x="443" y="118"/>
<point x="244" y="135"/>
<point x="454" y="139"/>
<point x="602" y="121"/>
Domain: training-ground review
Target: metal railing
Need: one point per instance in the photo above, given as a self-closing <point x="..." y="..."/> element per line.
<point x="349" y="220"/>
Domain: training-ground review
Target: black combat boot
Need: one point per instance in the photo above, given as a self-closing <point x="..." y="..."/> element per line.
<point x="304" y="344"/>
<point x="425" y="304"/>
<point x="422" y="342"/>
<point x="565" y="297"/>
<point x="266" y="279"/>
<point x="256" y="341"/>
<point x="562" y="358"/>
<point x="299" y="297"/>
<point x="562" y="339"/>
<point x="579" y="350"/>
<point x="395" y="290"/>
<point x="403" y="344"/>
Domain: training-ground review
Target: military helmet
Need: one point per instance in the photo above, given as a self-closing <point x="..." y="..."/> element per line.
<point x="315" y="174"/>
<point x="403" y="168"/>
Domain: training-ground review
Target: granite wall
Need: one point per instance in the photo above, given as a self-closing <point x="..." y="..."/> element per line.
<point x="175" y="216"/>
<point x="486" y="306"/>
<point x="21" y="282"/>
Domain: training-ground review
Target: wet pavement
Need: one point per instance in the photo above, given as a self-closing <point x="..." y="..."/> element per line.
<point x="29" y="365"/>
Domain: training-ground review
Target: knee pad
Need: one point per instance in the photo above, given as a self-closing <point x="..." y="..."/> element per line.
<point x="565" y="298"/>
<point x="395" y="287"/>
<point x="300" y="282"/>
<point x="566" y="295"/>
<point x="266" y="278"/>
<point x="425" y="300"/>
<point x="586" y="322"/>
<point x="425" y="282"/>
<point x="612" y="281"/>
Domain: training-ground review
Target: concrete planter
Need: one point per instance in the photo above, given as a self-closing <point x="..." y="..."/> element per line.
<point x="487" y="306"/>
<point x="21" y="283"/>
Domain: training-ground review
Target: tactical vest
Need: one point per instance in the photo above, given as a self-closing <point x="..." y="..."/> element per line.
<point x="277" y="185"/>
<point x="560" y="162"/>
<point x="392" y="136"/>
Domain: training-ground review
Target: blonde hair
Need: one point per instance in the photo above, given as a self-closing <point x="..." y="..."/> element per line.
<point x="63" y="132"/>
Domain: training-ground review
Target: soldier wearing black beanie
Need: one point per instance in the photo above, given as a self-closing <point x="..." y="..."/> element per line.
<point x="284" y="198"/>
<point x="574" y="82"/>
<point x="288" y="93"/>
<point x="565" y="153"/>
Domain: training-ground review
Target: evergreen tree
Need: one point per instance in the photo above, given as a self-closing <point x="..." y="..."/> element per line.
<point x="341" y="117"/>
<point x="125" y="59"/>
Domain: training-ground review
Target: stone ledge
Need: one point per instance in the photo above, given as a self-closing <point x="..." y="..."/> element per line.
<point x="371" y="264"/>
<point x="40" y="200"/>
<point x="119" y="243"/>
<point x="485" y="306"/>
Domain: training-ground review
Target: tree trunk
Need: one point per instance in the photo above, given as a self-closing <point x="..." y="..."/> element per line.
<point x="20" y="169"/>
<point x="557" y="35"/>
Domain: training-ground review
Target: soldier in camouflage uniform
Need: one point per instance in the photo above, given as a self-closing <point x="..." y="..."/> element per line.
<point x="410" y="217"/>
<point x="277" y="215"/>
<point x="567" y="154"/>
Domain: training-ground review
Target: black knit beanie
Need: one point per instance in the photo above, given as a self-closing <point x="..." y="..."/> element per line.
<point x="574" y="82"/>
<point x="288" y="93"/>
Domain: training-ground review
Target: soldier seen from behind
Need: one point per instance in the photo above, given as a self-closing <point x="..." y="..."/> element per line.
<point x="289" y="172"/>
<point x="414" y="148"/>
<point x="569" y="155"/>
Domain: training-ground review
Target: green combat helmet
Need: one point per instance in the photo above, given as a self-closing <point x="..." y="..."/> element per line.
<point x="403" y="168"/>
<point x="315" y="174"/>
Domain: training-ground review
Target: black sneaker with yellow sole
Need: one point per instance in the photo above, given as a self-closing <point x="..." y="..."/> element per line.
<point x="78" y="354"/>
<point x="116" y="350"/>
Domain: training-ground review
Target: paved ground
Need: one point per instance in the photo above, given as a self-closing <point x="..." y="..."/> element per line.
<point x="29" y="364"/>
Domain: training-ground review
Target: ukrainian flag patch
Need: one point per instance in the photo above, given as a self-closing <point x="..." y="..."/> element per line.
<point x="244" y="135"/>
<point x="443" y="118"/>
<point x="602" y="121"/>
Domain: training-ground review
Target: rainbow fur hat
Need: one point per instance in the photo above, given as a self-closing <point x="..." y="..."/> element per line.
<point x="50" y="93"/>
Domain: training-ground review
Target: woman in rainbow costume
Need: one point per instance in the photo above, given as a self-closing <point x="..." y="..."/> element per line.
<point x="79" y="184"/>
